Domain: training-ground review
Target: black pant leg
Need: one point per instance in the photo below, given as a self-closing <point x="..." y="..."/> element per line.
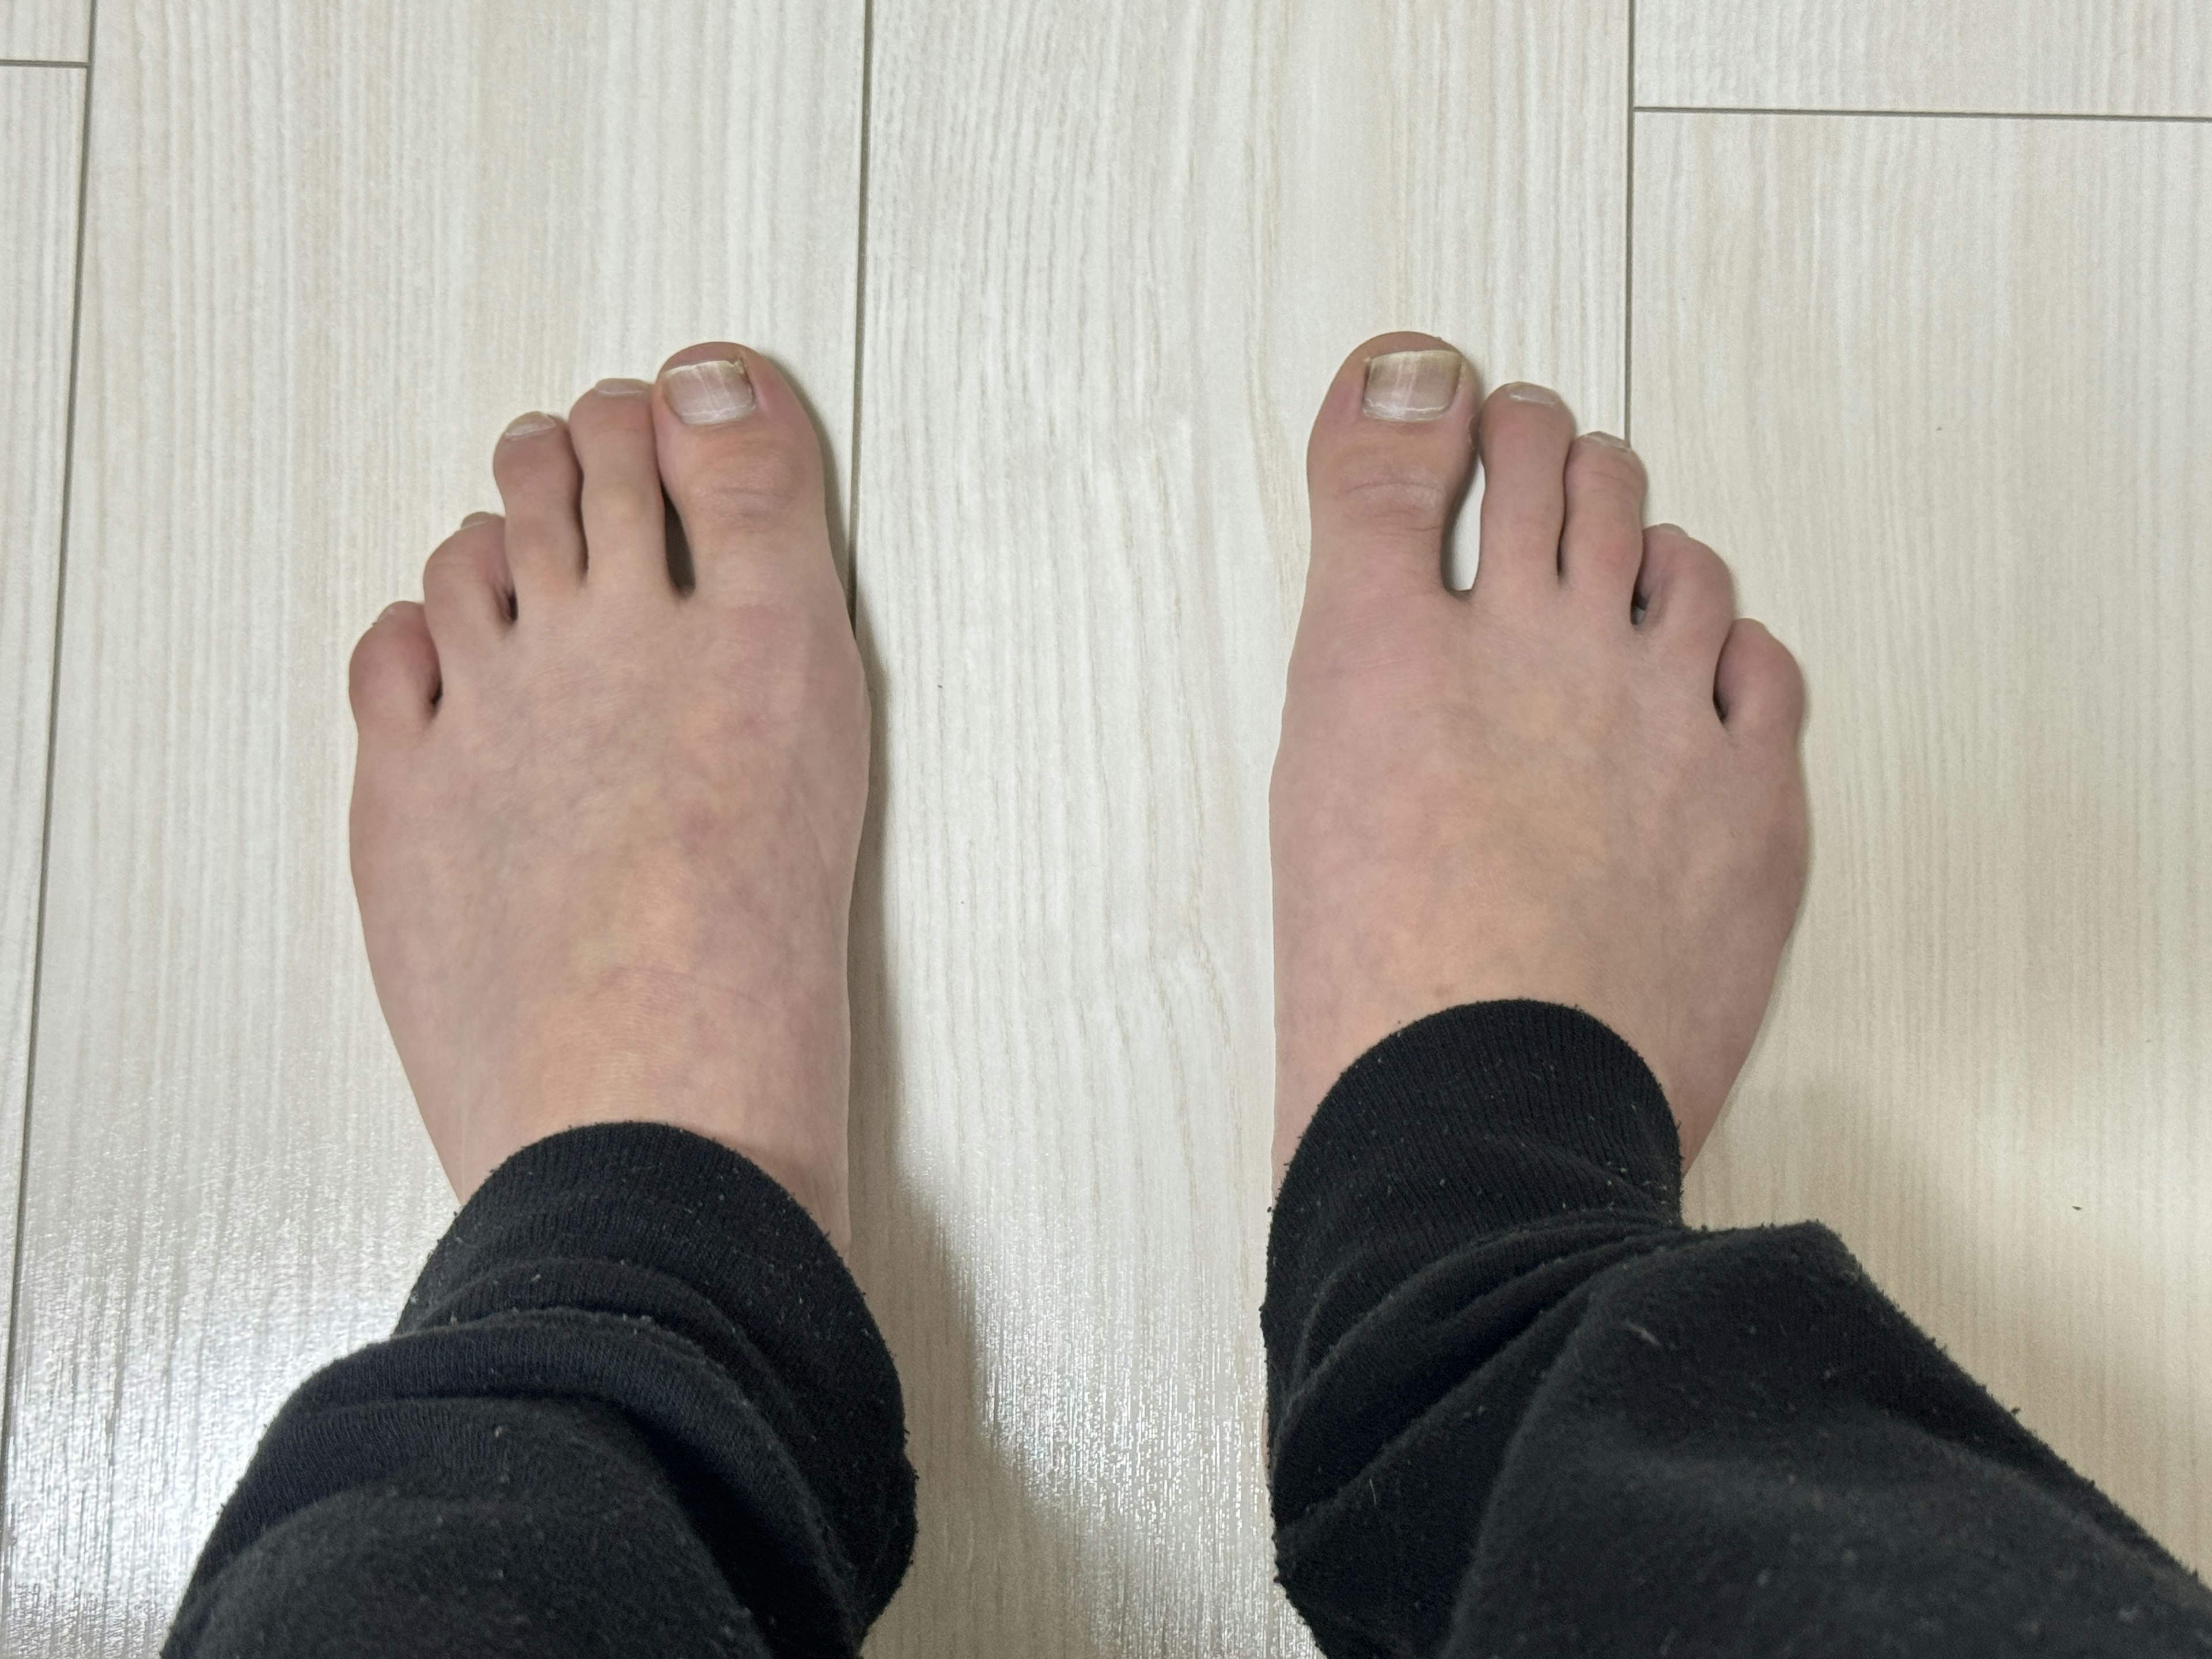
<point x="1517" y="1407"/>
<point x="635" y="1405"/>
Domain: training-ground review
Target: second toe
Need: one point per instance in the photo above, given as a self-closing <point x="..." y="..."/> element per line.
<point x="619" y="498"/>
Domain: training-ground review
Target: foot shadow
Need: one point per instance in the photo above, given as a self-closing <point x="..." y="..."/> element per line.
<point x="2022" y="1303"/>
<point x="995" y="1571"/>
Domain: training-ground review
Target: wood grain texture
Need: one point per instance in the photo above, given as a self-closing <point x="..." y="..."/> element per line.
<point x="331" y="251"/>
<point x="2051" y="56"/>
<point x="49" y="30"/>
<point x="1956" y="450"/>
<point x="1116" y="251"/>
<point x="41" y="124"/>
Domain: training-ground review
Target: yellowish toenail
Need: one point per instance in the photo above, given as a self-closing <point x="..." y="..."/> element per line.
<point x="622" y="387"/>
<point x="709" y="394"/>
<point x="523" y="426"/>
<point x="476" y="518"/>
<point x="1521" y="392"/>
<point x="1412" y="385"/>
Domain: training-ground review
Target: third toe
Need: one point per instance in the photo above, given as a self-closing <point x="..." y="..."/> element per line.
<point x="1602" y="543"/>
<point x="539" y="483"/>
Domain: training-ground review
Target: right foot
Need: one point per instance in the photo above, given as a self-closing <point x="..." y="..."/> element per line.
<point x="1579" y="783"/>
<point x="603" y="828"/>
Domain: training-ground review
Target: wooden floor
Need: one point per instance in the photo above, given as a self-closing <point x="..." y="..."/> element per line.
<point x="1904" y="301"/>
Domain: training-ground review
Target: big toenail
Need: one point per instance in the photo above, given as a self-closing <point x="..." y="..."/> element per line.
<point x="1606" y="439"/>
<point x="1521" y="392"/>
<point x="522" y="426"/>
<point x="709" y="394"/>
<point x="476" y="518"/>
<point x="620" y="387"/>
<point x="1412" y="385"/>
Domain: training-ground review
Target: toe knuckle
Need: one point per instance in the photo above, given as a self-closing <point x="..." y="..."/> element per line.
<point x="1708" y="573"/>
<point x="628" y="501"/>
<point x="449" y="561"/>
<point x="1606" y="460"/>
<point x="365" y="665"/>
<point x="763" y="484"/>
<point x="542" y="453"/>
<point x="1387" y="495"/>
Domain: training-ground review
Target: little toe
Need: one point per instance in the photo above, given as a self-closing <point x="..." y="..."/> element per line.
<point x="743" y="465"/>
<point x="623" y="511"/>
<point x="539" y="483"/>
<point x="1524" y="432"/>
<point x="468" y="595"/>
<point x="392" y="681"/>
<point x="1758" y="687"/>
<point x="1602" y="544"/>
<point x="1688" y="596"/>
<point x="1389" y="462"/>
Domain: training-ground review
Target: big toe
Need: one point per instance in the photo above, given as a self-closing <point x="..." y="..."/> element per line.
<point x="1389" y="462"/>
<point x="742" y="466"/>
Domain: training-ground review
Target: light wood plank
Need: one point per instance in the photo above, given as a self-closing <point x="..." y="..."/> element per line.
<point x="2050" y="56"/>
<point x="46" y="29"/>
<point x="1115" y="251"/>
<point x="1942" y="391"/>
<point x="41" y="123"/>
<point x="331" y="249"/>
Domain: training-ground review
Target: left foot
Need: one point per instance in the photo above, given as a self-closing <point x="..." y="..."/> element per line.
<point x="1577" y="783"/>
<point x="603" y="830"/>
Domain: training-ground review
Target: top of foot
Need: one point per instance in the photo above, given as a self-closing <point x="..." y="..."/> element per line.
<point x="1577" y="782"/>
<point x="605" y="825"/>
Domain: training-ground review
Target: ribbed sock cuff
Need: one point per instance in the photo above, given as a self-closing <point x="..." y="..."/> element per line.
<point x="707" y="1246"/>
<point x="1424" y="1129"/>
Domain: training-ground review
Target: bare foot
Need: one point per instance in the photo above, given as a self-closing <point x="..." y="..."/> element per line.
<point x="1577" y="783"/>
<point x="603" y="830"/>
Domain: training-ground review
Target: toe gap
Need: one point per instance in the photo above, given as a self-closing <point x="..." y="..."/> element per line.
<point x="681" y="570"/>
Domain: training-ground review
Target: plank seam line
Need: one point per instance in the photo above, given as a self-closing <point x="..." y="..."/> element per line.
<point x="859" y="315"/>
<point x="1628" y="252"/>
<point x="44" y="63"/>
<point x="1923" y="114"/>
<point x="46" y="815"/>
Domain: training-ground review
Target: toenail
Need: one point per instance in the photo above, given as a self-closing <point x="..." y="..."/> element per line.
<point x="476" y="518"/>
<point x="522" y="426"/>
<point x="709" y="394"/>
<point x="622" y="387"/>
<point x="1412" y="385"/>
<point x="1608" y="440"/>
<point x="1521" y="392"/>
